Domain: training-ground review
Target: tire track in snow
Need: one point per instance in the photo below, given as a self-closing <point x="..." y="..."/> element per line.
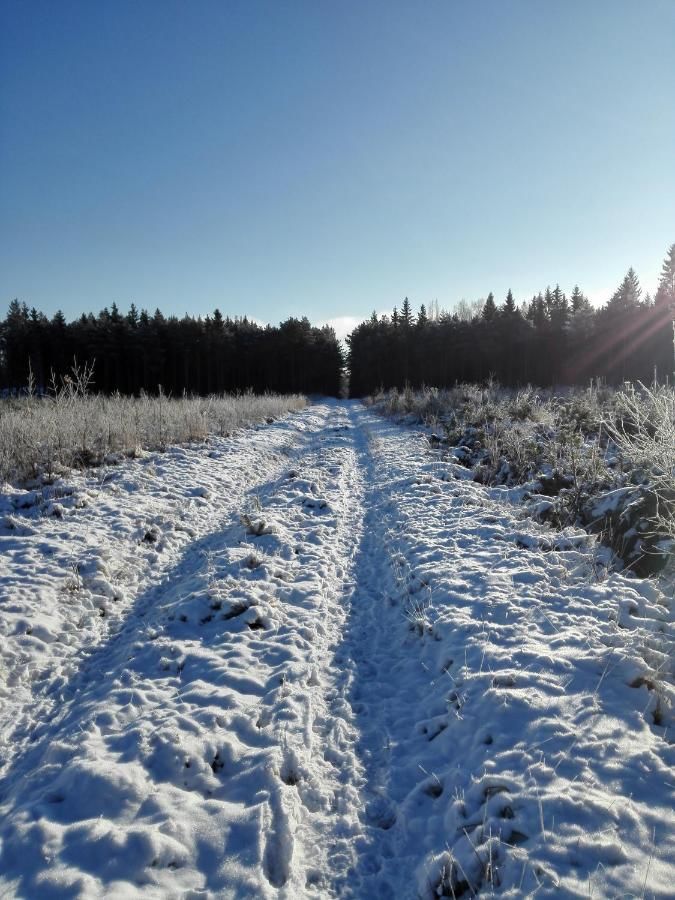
<point x="328" y="831"/>
<point x="377" y="685"/>
<point x="371" y="689"/>
<point x="318" y="785"/>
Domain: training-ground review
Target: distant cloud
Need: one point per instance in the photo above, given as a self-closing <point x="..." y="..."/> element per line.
<point x="343" y="325"/>
<point x="600" y="295"/>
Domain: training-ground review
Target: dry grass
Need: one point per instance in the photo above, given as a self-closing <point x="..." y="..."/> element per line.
<point x="529" y="429"/>
<point x="72" y="428"/>
<point x="644" y="432"/>
<point x="583" y="443"/>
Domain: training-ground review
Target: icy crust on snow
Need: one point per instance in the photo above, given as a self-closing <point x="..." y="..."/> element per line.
<point x="364" y="676"/>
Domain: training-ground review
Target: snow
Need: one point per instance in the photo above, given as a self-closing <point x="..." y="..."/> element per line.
<point x="315" y="660"/>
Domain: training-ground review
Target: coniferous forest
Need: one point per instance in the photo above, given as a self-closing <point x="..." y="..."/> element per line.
<point x="551" y="340"/>
<point x="138" y="352"/>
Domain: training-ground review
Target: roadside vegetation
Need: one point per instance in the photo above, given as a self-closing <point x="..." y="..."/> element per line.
<point x="69" y="427"/>
<point x="599" y="458"/>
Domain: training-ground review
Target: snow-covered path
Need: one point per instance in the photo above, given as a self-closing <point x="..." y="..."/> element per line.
<point x="329" y="666"/>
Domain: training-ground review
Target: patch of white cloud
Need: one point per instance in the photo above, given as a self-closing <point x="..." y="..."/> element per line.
<point x="342" y="325"/>
<point x="600" y="295"/>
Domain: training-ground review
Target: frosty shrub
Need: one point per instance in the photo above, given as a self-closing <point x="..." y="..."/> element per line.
<point x="644" y="431"/>
<point x="529" y="429"/>
<point x="73" y="428"/>
<point x="597" y="458"/>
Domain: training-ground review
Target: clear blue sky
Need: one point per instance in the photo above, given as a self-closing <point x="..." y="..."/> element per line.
<point x="327" y="158"/>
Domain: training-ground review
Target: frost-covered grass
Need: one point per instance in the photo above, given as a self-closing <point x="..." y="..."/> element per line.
<point x="511" y="436"/>
<point x="645" y="434"/>
<point x="598" y="457"/>
<point x="529" y="428"/>
<point x="72" y="428"/>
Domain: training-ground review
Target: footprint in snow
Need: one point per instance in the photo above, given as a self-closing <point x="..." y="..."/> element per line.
<point x="315" y="503"/>
<point x="381" y="813"/>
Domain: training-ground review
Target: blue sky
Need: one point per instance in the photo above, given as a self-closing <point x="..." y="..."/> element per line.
<point x="328" y="158"/>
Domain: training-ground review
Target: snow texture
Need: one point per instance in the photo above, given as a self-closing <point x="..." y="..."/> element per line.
<point x="314" y="660"/>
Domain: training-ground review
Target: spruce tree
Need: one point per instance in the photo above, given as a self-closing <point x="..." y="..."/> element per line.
<point x="665" y="295"/>
<point x="132" y="316"/>
<point x="406" y="314"/>
<point x="558" y="298"/>
<point x="578" y="301"/>
<point x="548" y="300"/>
<point x="490" y="309"/>
<point x="627" y="295"/>
<point x="509" y="307"/>
<point x="559" y="309"/>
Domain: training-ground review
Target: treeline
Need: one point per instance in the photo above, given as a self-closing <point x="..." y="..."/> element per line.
<point x="138" y="352"/>
<point x="552" y="339"/>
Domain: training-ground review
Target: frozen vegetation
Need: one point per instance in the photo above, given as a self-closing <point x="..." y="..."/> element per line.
<point x="598" y="458"/>
<point x="319" y="658"/>
<point x="70" y="427"/>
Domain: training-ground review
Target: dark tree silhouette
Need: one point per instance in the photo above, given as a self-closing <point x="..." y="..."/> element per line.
<point x="552" y="340"/>
<point x="138" y="352"/>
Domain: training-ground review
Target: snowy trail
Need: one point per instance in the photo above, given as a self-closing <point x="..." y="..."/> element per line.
<point x="66" y="585"/>
<point x="354" y="674"/>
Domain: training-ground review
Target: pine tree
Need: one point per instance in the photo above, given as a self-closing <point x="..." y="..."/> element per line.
<point x="536" y="311"/>
<point x="559" y="309"/>
<point x="490" y="309"/>
<point x="578" y="301"/>
<point x="406" y="314"/>
<point x="665" y="295"/>
<point x="509" y="308"/>
<point x="558" y="298"/>
<point x="15" y="340"/>
<point x="548" y="300"/>
<point x="132" y="316"/>
<point x="627" y="295"/>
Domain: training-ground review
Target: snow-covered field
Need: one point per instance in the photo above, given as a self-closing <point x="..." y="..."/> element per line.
<point x="315" y="660"/>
